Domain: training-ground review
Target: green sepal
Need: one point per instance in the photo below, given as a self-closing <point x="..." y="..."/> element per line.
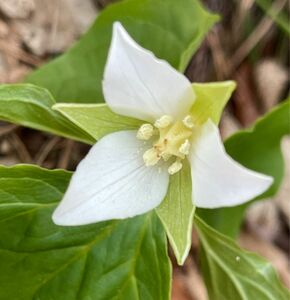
<point x="96" y="119"/>
<point x="176" y="212"/>
<point x="211" y="99"/>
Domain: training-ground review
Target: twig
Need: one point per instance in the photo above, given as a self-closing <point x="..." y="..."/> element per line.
<point x="7" y="129"/>
<point x="221" y="66"/>
<point x="46" y="149"/>
<point x="246" y="108"/>
<point x="20" y="148"/>
<point x="64" y="160"/>
<point x="55" y="24"/>
<point x="193" y="281"/>
<point x="259" y="32"/>
<point x="19" y="54"/>
<point x="224" y="67"/>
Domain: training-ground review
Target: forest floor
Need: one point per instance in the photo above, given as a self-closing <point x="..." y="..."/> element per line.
<point x="32" y="32"/>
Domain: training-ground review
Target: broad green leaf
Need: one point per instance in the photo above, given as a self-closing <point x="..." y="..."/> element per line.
<point x="211" y="99"/>
<point x="39" y="260"/>
<point x="30" y="106"/>
<point x="172" y="29"/>
<point x="232" y="273"/>
<point x="96" y="119"/>
<point x="176" y="213"/>
<point x="257" y="148"/>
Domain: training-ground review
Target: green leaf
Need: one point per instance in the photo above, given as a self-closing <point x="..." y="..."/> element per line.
<point x="257" y="148"/>
<point x="232" y="273"/>
<point x="176" y="213"/>
<point x="39" y="260"/>
<point x="96" y="119"/>
<point x="172" y="29"/>
<point x="30" y="106"/>
<point x="211" y="99"/>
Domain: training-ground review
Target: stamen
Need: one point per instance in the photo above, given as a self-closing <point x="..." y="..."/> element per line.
<point x="163" y="122"/>
<point x="145" y="132"/>
<point x="173" y="142"/>
<point x="175" y="167"/>
<point x="151" y="157"/>
<point x="188" y="121"/>
<point x="165" y="156"/>
<point x="185" y="147"/>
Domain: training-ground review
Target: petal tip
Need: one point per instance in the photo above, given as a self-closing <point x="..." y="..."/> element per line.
<point x="119" y="31"/>
<point x="117" y="25"/>
<point x="269" y="180"/>
<point x="58" y="218"/>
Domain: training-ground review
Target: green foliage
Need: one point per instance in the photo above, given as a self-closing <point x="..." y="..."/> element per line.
<point x="257" y="148"/>
<point x="125" y="259"/>
<point x="96" y="119"/>
<point x="39" y="260"/>
<point x="232" y="273"/>
<point x="172" y="29"/>
<point x="30" y="106"/>
<point x="176" y="213"/>
<point x="211" y="99"/>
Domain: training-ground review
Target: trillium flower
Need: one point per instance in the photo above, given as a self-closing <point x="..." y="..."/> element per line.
<point x="126" y="173"/>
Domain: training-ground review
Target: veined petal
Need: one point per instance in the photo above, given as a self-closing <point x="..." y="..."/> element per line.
<point x="112" y="182"/>
<point x="218" y="180"/>
<point x="139" y="85"/>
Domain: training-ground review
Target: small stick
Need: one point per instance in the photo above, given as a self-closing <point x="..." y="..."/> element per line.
<point x="46" y="149"/>
<point x="64" y="160"/>
<point x="221" y="66"/>
<point x="19" y="54"/>
<point x="20" y="147"/>
<point x="7" y="129"/>
<point x="259" y="32"/>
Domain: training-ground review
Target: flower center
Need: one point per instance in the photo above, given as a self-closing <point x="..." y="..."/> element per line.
<point x="173" y="142"/>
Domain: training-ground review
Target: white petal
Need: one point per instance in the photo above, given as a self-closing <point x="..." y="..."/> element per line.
<point x="112" y="182"/>
<point x="218" y="180"/>
<point x="139" y="85"/>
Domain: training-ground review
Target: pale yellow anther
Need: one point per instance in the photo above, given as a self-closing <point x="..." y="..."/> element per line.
<point x="175" y="167"/>
<point x="145" y="132"/>
<point x="172" y="143"/>
<point x="165" y="156"/>
<point x="151" y="157"/>
<point x="188" y="121"/>
<point x="184" y="148"/>
<point x="163" y="122"/>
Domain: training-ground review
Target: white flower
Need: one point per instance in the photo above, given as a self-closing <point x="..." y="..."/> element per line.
<point x="127" y="173"/>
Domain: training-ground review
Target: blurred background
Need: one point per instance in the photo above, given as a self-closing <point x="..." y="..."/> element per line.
<point x="249" y="45"/>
